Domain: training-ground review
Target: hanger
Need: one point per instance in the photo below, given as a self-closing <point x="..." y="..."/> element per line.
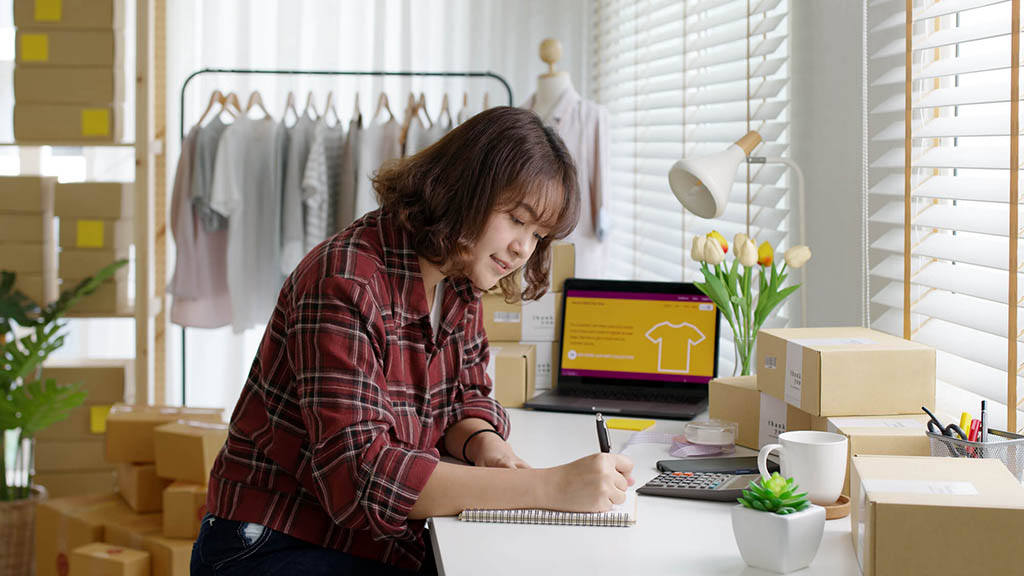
<point x="329" y="108"/>
<point x="356" y="114"/>
<point x="289" y="104"/>
<point x="464" y="111"/>
<point x="232" y="99"/>
<point x="421" y="106"/>
<point x="311" y="107"/>
<point x="487" y="96"/>
<point x="255" y="99"/>
<point x="382" y="104"/>
<point x="444" y="110"/>
<point x="216" y="97"/>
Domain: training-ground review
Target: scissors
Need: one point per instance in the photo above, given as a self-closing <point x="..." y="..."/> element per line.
<point x="935" y="426"/>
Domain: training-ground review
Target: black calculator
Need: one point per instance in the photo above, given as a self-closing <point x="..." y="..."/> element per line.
<point x="721" y="479"/>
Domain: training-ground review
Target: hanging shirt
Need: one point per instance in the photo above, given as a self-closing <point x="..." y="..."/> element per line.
<point x="584" y="127"/>
<point x="300" y="139"/>
<point x="323" y="168"/>
<point x="378" y="144"/>
<point x="340" y="422"/>
<point x="207" y="144"/>
<point x="199" y="284"/>
<point x="419" y="137"/>
<point x="247" y="184"/>
<point x="348" y="178"/>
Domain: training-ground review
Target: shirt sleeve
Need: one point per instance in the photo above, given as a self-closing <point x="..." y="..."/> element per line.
<point x="473" y="399"/>
<point x="362" y="478"/>
<point x="225" y="191"/>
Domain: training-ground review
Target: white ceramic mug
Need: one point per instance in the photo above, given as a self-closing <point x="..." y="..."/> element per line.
<point x="815" y="460"/>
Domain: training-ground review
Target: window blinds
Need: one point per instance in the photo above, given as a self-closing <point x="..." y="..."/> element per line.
<point x="688" y="79"/>
<point x="959" y="181"/>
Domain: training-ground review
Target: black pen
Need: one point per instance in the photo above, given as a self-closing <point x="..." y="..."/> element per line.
<point x="602" y="435"/>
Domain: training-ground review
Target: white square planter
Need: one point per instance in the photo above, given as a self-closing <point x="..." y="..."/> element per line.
<point x="778" y="543"/>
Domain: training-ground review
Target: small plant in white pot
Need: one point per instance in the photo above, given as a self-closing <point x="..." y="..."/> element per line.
<point x="776" y="527"/>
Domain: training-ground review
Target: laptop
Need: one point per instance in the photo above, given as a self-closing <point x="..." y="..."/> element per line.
<point x="635" y="349"/>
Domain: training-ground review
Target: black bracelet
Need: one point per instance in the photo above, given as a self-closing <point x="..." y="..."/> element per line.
<point x="470" y="437"/>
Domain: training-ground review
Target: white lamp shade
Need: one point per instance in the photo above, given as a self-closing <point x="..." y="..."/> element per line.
<point x="702" y="185"/>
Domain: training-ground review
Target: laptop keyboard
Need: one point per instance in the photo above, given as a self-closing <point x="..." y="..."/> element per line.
<point x="609" y="393"/>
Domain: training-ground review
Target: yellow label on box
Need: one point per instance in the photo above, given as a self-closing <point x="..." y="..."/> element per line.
<point x="35" y="47"/>
<point x="629" y="424"/>
<point x="90" y="234"/>
<point x="98" y="419"/>
<point x="48" y="10"/>
<point x="95" y="122"/>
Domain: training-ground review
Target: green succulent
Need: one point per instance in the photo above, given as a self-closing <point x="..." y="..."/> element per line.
<point x="776" y="494"/>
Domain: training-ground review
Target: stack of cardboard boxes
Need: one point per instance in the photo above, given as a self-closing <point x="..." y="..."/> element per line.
<point x="524" y="336"/>
<point x="68" y="78"/>
<point x="163" y="457"/>
<point x="27" y="245"/>
<point x="95" y="231"/>
<point x="70" y="453"/>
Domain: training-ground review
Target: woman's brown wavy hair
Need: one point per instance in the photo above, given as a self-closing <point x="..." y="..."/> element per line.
<point x="444" y="195"/>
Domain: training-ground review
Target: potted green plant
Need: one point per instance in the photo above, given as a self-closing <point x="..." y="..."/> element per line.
<point x="29" y="334"/>
<point x="776" y="527"/>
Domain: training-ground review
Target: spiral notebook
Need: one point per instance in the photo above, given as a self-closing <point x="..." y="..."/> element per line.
<point x="621" y="515"/>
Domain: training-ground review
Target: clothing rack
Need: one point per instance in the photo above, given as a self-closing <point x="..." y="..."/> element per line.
<point x="273" y="72"/>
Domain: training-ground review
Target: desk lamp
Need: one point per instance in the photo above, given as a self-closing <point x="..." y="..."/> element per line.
<point x="702" y="186"/>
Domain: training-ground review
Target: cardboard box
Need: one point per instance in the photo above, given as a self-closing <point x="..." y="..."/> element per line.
<point x="27" y="195"/>
<point x="512" y="369"/>
<point x="547" y="363"/>
<point x="130" y="429"/>
<point x="59" y="528"/>
<point x="140" y="487"/>
<point x="917" y="515"/>
<point x="109" y="560"/>
<point x="106" y="381"/>
<point x="132" y="531"/>
<point x="31" y="228"/>
<point x="170" y="556"/>
<point x="27" y="258"/>
<point x="71" y="455"/>
<point x="761" y="418"/>
<point x="72" y="47"/>
<point x="184" y="508"/>
<point x="110" y="297"/>
<point x="186" y="450"/>
<point x="76" y="264"/>
<point x="77" y="85"/>
<point x="69" y="13"/>
<point x="533" y="321"/>
<point x="845" y="371"/>
<point x="68" y="123"/>
<point x="96" y="200"/>
<point x="82" y="423"/>
<point x="78" y="483"/>
<point x="896" y="435"/>
<point x="41" y="288"/>
<point x="95" y="234"/>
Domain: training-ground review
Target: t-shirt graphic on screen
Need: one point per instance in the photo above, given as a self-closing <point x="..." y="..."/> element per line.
<point x="672" y="339"/>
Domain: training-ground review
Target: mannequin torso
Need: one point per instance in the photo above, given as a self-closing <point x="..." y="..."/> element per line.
<point x="550" y="88"/>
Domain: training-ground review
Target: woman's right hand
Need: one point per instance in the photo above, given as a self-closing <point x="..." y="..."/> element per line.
<point x="591" y="484"/>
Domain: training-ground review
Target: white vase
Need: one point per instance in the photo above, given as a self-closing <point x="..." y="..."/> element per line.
<point x="778" y="543"/>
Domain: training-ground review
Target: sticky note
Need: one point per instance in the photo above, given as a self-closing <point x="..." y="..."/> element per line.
<point x="48" y="10"/>
<point x="629" y="424"/>
<point x="95" y="122"/>
<point x="89" y="234"/>
<point x="98" y="419"/>
<point x="35" y="47"/>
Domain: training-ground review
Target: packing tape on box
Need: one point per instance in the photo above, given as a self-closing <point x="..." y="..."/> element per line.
<point x="95" y="122"/>
<point x="89" y="234"/>
<point x="48" y="10"/>
<point x="204" y="425"/>
<point x="35" y="47"/>
<point x="98" y="419"/>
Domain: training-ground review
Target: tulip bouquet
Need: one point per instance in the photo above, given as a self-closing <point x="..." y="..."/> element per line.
<point x="730" y="286"/>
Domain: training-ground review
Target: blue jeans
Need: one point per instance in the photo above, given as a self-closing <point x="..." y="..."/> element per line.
<point x="226" y="548"/>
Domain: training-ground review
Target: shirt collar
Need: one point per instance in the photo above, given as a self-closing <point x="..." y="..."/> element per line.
<point x="567" y="100"/>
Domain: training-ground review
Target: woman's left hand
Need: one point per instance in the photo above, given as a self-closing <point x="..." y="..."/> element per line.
<point x="494" y="452"/>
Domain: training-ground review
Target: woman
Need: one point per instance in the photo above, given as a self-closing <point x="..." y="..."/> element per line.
<point x="373" y="365"/>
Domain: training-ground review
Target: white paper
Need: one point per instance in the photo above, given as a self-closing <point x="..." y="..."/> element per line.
<point x="772" y="420"/>
<point x="920" y="487"/>
<point x="490" y="367"/>
<point x="899" y="423"/>
<point x="543" y="354"/>
<point x="506" y="317"/>
<point x="794" y="373"/>
<point x="539" y="319"/>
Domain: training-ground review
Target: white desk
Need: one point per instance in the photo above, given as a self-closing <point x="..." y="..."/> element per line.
<point x="672" y="535"/>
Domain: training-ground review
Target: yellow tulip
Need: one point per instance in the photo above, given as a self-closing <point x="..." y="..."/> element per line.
<point x="697" y="251"/>
<point x="765" y="254"/>
<point x="714" y="235"/>
<point x="797" y="256"/>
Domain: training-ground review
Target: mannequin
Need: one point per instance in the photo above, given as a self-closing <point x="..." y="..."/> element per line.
<point x="553" y="83"/>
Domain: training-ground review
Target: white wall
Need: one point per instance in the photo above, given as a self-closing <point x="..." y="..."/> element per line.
<point x="826" y="137"/>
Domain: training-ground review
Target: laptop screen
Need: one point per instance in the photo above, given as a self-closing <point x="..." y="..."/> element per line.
<point x="647" y="333"/>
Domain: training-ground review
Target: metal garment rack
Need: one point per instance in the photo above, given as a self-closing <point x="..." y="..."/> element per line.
<point x="272" y="72"/>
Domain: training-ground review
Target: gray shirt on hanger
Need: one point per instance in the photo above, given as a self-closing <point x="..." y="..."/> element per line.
<point x="378" y="144"/>
<point x="320" y="183"/>
<point x="300" y="140"/>
<point x="202" y="173"/>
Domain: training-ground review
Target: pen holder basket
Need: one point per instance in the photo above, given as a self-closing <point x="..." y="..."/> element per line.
<point x="1010" y="452"/>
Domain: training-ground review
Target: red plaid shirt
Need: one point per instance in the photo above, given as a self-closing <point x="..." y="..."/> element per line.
<point x="341" y="420"/>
